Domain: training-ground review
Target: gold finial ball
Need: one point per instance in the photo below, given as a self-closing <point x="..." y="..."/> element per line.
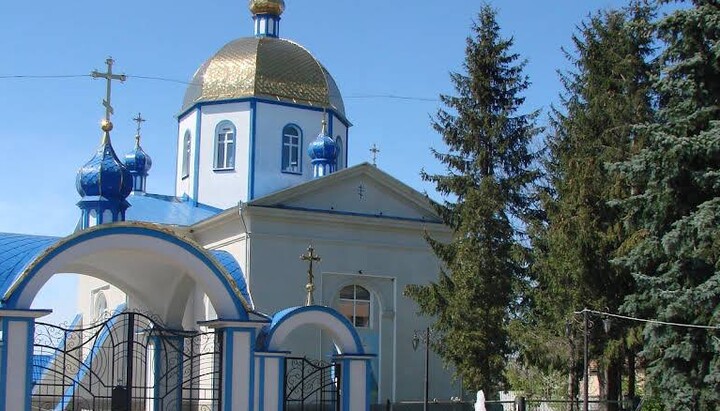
<point x="309" y="287"/>
<point x="275" y="7"/>
<point x="106" y="126"/>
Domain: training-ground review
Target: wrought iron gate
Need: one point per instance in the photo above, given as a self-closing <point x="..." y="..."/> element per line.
<point x="127" y="362"/>
<point x="311" y="385"/>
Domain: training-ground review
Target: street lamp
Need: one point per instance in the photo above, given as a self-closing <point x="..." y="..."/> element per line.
<point x="587" y="325"/>
<point x="424" y="337"/>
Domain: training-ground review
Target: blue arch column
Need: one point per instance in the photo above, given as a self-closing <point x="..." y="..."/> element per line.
<point x="238" y="362"/>
<point x="16" y="357"/>
<point x="168" y="370"/>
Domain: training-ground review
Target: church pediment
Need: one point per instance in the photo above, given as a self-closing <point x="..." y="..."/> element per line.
<point x="362" y="190"/>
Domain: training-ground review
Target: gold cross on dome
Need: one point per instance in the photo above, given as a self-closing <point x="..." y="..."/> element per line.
<point x="310" y="257"/>
<point x="138" y="119"/>
<point x="109" y="77"/>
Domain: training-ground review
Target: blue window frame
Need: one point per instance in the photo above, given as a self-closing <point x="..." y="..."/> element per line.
<point x="291" y="143"/>
<point x="186" y="146"/>
<point x="224" y="146"/>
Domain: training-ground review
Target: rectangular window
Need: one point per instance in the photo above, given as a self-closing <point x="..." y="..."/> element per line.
<point x="225" y="148"/>
<point x="291" y="149"/>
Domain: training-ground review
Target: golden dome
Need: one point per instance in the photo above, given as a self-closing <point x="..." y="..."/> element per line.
<point x="264" y="67"/>
<point x="275" y="7"/>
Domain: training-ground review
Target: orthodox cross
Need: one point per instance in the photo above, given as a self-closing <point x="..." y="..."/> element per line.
<point x="361" y="191"/>
<point x="139" y="120"/>
<point x="374" y="150"/>
<point x="109" y="77"/>
<point x="310" y="257"/>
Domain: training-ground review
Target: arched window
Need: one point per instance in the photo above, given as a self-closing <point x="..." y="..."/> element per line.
<point x="340" y="162"/>
<point x="355" y="305"/>
<point x="292" y="141"/>
<point x="101" y="306"/>
<point x="185" y="165"/>
<point x="224" y="146"/>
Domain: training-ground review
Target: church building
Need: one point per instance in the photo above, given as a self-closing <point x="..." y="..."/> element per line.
<point x="272" y="249"/>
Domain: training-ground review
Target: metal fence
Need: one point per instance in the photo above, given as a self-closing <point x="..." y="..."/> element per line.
<point x="504" y="405"/>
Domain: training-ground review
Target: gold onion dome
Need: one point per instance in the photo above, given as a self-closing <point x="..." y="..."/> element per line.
<point x="264" y="67"/>
<point x="275" y="7"/>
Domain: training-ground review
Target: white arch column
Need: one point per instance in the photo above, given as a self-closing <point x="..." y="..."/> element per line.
<point x="238" y="362"/>
<point x="355" y="381"/>
<point x="16" y="357"/>
<point x="270" y="374"/>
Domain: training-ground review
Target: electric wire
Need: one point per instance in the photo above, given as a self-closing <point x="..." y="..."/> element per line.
<point x="176" y="81"/>
<point x="645" y="320"/>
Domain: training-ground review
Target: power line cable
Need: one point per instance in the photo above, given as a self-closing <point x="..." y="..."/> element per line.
<point x="170" y="80"/>
<point x="645" y="320"/>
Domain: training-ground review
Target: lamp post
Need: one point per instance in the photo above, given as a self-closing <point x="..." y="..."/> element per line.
<point x="587" y="325"/>
<point x="425" y="335"/>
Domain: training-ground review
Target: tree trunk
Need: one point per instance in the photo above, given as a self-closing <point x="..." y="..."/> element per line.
<point x="610" y="385"/>
<point x="631" y="374"/>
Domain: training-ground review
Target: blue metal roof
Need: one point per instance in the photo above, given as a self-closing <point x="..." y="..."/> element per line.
<point x="162" y="209"/>
<point x="233" y="268"/>
<point x="16" y="252"/>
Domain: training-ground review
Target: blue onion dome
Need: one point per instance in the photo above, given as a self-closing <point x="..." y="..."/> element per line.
<point x="104" y="175"/>
<point x="137" y="161"/>
<point x="324" y="147"/>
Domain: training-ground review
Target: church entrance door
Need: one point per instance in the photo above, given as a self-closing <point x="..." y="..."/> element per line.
<point x="312" y="385"/>
<point x="126" y="362"/>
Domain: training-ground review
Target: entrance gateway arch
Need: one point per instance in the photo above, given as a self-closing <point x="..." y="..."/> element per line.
<point x="144" y="359"/>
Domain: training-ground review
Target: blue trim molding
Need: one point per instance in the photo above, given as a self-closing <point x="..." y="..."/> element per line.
<point x="337" y="114"/>
<point x="196" y="162"/>
<point x="251" y="160"/>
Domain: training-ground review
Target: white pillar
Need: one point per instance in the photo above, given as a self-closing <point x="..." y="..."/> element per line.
<point x="355" y="384"/>
<point x="238" y="363"/>
<point x="16" y="357"/>
<point x="270" y="371"/>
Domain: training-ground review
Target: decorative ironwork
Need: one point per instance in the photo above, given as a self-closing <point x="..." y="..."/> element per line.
<point x="126" y="362"/>
<point x="311" y="385"/>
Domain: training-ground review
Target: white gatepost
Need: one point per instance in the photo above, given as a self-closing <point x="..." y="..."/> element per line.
<point x="270" y="374"/>
<point x="238" y="362"/>
<point x="355" y="381"/>
<point x="16" y="357"/>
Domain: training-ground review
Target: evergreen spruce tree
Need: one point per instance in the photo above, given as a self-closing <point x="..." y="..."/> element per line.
<point x="489" y="170"/>
<point x="606" y="92"/>
<point x="674" y="252"/>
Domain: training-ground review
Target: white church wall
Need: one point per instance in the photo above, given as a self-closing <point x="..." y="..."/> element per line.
<point x="184" y="184"/>
<point x="224" y="188"/>
<point x="392" y="250"/>
<point x="90" y="290"/>
<point x="270" y="121"/>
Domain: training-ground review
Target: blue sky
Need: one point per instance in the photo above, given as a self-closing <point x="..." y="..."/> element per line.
<point x="50" y="127"/>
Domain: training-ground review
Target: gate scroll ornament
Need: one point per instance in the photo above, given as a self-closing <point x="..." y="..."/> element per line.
<point x="311" y="385"/>
<point x="128" y="361"/>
